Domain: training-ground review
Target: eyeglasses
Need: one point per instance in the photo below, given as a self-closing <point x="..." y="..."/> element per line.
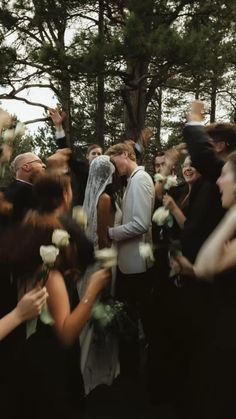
<point x="30" y="162"/>
<point x="34" y="161"/>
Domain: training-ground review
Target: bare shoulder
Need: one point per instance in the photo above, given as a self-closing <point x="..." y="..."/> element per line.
<point x="104" y="200"/>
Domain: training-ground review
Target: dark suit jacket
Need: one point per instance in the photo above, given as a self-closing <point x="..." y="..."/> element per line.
<point x="79" y="169"/>
<point x="202" y="153"/>
<point x="203" y="213"/>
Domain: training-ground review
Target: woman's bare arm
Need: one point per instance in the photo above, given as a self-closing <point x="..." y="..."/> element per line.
<point x="68" y="325"/>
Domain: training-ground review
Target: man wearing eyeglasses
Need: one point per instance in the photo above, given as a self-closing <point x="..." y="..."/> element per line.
<point x="27" y="168"/>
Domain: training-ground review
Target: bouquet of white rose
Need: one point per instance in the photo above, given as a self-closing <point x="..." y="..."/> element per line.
<point x="60" y="238"/>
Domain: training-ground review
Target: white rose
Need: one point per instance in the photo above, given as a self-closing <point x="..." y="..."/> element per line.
<point x="19" y="129"/>
<point x="170" y="182"/>
<point x="5" y="119"/>
<point x="48" y="254"/>
<point x="161" y="216"/>
<point x="159" y="178"/>
<point x="107" y="257"/>
<point x="60" y="238"/>
<point x="80" y="216"/>
<point x="8" y="135"/>
<point x="146" y="252"/>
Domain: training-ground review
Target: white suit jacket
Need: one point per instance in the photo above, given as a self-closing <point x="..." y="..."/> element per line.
<point x="137" y="209"/>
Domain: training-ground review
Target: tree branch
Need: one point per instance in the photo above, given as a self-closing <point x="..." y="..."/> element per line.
<point x="22" y="99"/>
<point x="84" y="17"/>
<point x="32" y="121"/>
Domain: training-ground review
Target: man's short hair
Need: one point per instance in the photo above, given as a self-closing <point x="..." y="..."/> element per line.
<point x="223" y="132"/>
<point x="120" y="148"/>
<point x="159" y="154"/>
<point x="22" y="159"/>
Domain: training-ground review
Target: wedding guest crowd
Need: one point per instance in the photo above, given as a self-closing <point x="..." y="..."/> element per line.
<point x="137" y="289"/>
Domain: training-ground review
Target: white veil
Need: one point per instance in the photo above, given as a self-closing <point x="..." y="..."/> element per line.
<point x="100" y="175"/>
<point x="99" y="360"/>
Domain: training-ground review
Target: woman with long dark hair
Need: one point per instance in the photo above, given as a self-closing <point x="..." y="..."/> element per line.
<point x="43" y="372"/>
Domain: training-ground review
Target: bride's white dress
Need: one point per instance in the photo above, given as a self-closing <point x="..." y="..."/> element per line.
<point x="99" y="356"/>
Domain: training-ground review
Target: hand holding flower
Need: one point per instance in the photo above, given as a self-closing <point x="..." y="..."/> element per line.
<point x="181" y="265"/>
<point x="162" y="216"/>
<point x="31" y="304"/>
<point x="97" y="282"/>
<point x="169" y="203"/>
<point x="107" y="257"/>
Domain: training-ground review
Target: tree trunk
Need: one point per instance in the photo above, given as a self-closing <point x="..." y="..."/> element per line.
<point x="100" y="125"/>
<point x="134" y="95"/>
<point x="213" y="103"/>
<point x="159" y="119"/>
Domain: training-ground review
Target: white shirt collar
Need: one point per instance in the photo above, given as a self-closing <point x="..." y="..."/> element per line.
<point x="24" y="181"/>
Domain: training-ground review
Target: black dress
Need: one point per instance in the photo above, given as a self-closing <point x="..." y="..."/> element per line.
<point x="51" y="375"/>
<point x="40" y="377"/>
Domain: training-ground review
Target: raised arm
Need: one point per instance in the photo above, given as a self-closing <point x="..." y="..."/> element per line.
<point x="68" y="325"/>
<point x="203" y="155"/>
<point x="219" y="251"/>
<point x="57" y="119"/>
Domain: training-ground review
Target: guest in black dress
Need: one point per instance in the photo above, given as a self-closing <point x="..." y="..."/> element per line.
<point x="41" y="375"/>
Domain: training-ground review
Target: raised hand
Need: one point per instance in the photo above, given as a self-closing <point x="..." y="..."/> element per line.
<point x="57" y="118"/>
<point x="196" y="112"/>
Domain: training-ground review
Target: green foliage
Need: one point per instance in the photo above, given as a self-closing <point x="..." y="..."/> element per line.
<point x="7" y="60"/>
<point x="184" y="48"/>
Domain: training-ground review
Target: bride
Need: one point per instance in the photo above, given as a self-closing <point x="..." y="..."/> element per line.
<point x="99" y="360"/>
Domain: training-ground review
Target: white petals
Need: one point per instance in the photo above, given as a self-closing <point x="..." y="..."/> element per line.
<point x="80" y="216"/>
<point x="170" y="182"/>
<point x="60" y="238"/>
<point x="5" y="119"/>
<point x="107" y="257"/>
<point x="8" y="135"/>
<point x="159" y="178"/>
<point x="161" y="216"/>
<point x="146" y="252"/>
<point x="48" y="254"/>
<point x="20" y="129"/>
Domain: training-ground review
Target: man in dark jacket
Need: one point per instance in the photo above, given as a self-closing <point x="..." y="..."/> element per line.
<point x="27" y="168"/>
<point x="208" y="146"/>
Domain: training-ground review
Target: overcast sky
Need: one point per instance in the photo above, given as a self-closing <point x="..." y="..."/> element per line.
<point x="25" y="112"/>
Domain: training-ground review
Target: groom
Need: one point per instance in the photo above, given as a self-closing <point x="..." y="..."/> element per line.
<point x="134" y="281"/>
